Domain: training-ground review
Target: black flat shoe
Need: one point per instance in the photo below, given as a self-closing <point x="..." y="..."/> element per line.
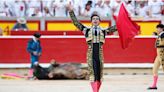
<point x="152" y="88"/>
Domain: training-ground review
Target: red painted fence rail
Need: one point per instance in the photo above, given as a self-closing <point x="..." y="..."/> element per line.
<point x="73" y="49"/>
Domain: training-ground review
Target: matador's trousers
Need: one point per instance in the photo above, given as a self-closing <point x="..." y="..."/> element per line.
<point x="95" y="61"/>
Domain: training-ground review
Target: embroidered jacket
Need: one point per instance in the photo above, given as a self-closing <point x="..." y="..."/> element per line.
<point x="94" y="34"/>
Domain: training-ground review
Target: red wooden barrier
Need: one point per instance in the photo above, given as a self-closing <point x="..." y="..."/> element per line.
<point x="73" y="49"/>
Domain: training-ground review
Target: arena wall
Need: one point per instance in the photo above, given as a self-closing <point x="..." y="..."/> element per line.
<point x="64" y="24"/>
<point x="73" y="49"/>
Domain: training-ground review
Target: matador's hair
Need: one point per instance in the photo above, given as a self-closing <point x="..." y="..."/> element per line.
<point x="95" y="14"/>
<point x="160" y="26"/>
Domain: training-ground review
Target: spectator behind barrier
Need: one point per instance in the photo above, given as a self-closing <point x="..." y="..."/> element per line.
<point x="20" y="25"/>
<point x="155" y="8"/>
<point x="87" y="11"/>
<point x="58" y="8"/>
<point x="162" y="9"/>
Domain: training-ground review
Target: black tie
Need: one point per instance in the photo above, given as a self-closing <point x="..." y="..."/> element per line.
<point x="95" y="31"/>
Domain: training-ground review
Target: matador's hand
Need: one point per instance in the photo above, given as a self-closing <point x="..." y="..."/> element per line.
<point x="70" y="7"/>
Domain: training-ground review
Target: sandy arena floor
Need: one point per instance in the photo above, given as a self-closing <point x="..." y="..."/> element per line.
<point x="111" y="83"/>
<point x="127" y="80"/>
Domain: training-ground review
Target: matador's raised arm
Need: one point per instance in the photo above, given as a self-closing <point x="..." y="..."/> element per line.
<point x="75" y="21"/>
<point x="111" y="29"/>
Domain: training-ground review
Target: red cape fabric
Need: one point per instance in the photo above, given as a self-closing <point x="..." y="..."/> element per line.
<point x="127" y="29"/>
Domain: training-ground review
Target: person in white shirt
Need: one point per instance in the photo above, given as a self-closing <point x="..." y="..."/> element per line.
<point x="87" y="11"/>
<point x="93" y="2"/>
<point x="155" y="8"/>
<point x="60" y="7"/>
<point x="116" y="7"/>
<point x="84" y="2"/>
<point x="37" y="13"/>
<point x="142" y="10"/>
<point x="32" y="5"/>
<point x="98" y="9"/>
<point x="130" y="8"/>
<point x="77" y="6"/>
<point x="162" y="7"/>
<point x="107" y="11"/>
<point x="19" y="8"/>
<point x="2" y="8"/>
<point x="10" y="7"/>
<point x="46" y="12"/>
<point x="48" y="4"/>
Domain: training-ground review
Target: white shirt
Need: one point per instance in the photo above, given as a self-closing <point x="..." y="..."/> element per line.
<point x="99" y="10"/>
<point x="2" y="9"/>
<point x="107" y="12"/>
<point x="116" y="6"/>
<point x="76" y="6"/>
<point x="87" y="13"/>
<point x="155" y="8"/>
<point x="37" y="13"/>
<point x="130" y="9"/>
<point x="32" y="4"/>
<point x="46" y="14"/>
<point x="142" y="12"/>
<point x="19" y="9"/>
<point x="60" y="9"/>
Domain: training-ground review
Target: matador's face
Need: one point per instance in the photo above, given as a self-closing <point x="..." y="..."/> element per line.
<point x="95" y="21"/>
<point x="159" y="30"/>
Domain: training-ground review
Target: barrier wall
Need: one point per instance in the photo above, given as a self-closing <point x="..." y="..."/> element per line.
<point x="54" y="24"/>
<point x="32" y="24"/>
<point x="67" y="25"/>
<point x="73" y="49"/>
<point x="147" y="27"/>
